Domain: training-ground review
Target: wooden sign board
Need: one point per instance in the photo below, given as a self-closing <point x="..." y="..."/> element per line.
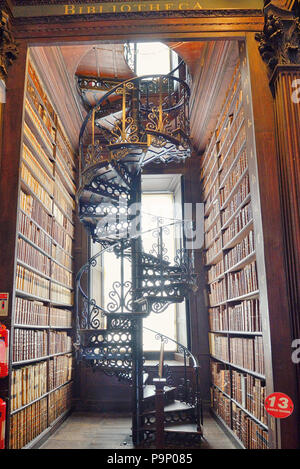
<point x="132" y="6"/>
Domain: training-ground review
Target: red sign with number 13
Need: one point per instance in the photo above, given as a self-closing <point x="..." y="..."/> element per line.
<point x="279" y="405"/>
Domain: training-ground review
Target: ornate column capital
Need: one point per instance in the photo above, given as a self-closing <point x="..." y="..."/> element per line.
<point x="8" y="46"/>
<point x="279" y="42"/>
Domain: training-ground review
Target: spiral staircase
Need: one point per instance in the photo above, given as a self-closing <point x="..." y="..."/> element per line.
<point x="137" y="122"/>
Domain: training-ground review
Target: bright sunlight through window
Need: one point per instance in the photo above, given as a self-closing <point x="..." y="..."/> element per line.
<point x="153" y="205"/>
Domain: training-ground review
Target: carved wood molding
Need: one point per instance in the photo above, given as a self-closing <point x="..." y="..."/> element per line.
<point x="279" y="43"/>
<point x="8" y="46"/>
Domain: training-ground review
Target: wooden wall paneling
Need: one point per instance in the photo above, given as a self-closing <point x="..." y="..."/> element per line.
<point x="88" y="29"/>
<point x="285" y="84"/>
<point x="280" y="371"/>
<point x="199" y="326"/>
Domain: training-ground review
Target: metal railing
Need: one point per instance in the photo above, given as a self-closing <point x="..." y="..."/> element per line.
<point x="149" y="111"/>
<point x="188" y="392"/>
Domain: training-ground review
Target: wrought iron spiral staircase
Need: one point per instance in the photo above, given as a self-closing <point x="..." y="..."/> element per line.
<point x="142" y="120"/>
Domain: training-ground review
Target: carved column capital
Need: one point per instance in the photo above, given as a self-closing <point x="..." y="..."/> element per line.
<point x="279" y="42"/>
<point x="8" y="46"/>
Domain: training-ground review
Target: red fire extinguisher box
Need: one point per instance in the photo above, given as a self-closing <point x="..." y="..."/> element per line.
<point x="4" y="336"/>
<point x="2" y="423"/>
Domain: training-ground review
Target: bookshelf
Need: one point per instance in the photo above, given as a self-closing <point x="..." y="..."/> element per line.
<point x="236" y="339"/>
<point x="39" y="393"/>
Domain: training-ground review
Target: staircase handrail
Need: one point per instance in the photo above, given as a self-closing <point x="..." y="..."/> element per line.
<point x="197" y="401"/>
<point x="163" y="337"/>
<point x="113" y="90"/>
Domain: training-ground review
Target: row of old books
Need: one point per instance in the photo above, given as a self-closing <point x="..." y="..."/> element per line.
<point x="243" y="352"/>
<point x="215" y="271"/>
<point x="44" y="109"/>
<point x="231" y="92"/>
<point x="59" y="342"/>
<point x="231" y="105"/>
<point x="250" y="392"/>
<point x="251" y="434"/>
<point x="60" y="370"/>
<point x="221" y="376"/>
<point x="29" y="282"/>
<point x="233" y="144"/>
<point x="233" y="178"/>
<point x="28" y="384"/>
<point x="34" y="209"/>
<point x="61" y="275"/>
<point x="31" y="312"/>
<point x="209" y="191"/>
<point x="59" y="402"/>
<point x="221" y="404"/>
<point x="218" y="347"/>
<point x="32" y="232"/>
<point x="242" y="317"/>
<point x="240" y="251"/>
<point x="245" y="316"/>
<point x="29" y="344"/>
<point x="243" y="282"/>
<point x="63" y="220"/>
<point x="38" y="150"/>
<point x="230" y="128"/>
<point x="240" y="221"/>
<point x="60" y="317"/>
<point x="65" y="173"/>
<point x="212" y="216"/>
<point x="218" y="318"/>
<point x="247" y="353"/>
<point x="214" y="250"/>
<point x="32" y="257"/>
<point x="35" y="313"/>
<point x="38" y="190"/>
<point x="61" y="256"/>
<point x="63" y="198"/>
<point x="65" y="150"/>
<point x="60" y="235"/>
<point x="210" y="158"/>
<point x="236" y="200"/>
<point x="62" y="295"/>
<point x="38" y="125"/>
<point x="213" y="232"/>
<point x="28" y="423"/>
<point x="217" y="292"/>
<point x="37" y="170"/>
<point x="40" y="101"/>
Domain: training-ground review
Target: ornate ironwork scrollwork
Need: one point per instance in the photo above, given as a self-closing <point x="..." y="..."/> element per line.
<point x="121" y="296"/>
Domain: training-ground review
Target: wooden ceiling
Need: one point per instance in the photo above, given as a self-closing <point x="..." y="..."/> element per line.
<point x="211" y="65"/>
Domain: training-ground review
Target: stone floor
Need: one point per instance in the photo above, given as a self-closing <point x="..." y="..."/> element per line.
<point x="101" y="431"/>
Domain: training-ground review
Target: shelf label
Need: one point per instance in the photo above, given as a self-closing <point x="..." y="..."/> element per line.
<point x="279" y="405"/>
<point x="4" y="304"/>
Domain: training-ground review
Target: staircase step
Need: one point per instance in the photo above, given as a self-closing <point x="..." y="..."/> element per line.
<point x="175" y="406"/>
<point x="149" y="391"/>
<point x="150" y="259"/>
<point x="182" y="428"/>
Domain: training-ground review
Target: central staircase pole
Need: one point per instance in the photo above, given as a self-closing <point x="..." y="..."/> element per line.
<point x="137" y="332"/>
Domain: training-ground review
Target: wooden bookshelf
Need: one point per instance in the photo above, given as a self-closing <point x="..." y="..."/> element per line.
<point x="238" y="379"/>
<point x="39" y="391"/>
